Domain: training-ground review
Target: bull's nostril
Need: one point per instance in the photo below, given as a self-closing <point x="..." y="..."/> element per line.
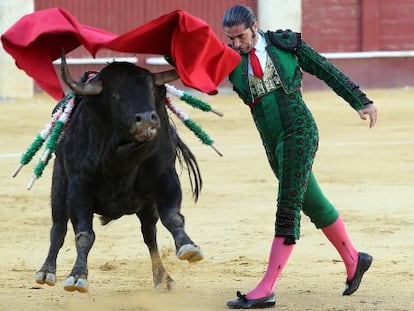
<point x="149" y="117"/>
<point x="154" y="117"/>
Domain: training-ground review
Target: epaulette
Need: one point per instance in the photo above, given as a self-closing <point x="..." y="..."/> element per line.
<point x="285" y="39"/>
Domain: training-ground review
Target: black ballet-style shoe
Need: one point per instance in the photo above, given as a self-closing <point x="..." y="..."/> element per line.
<point x="243" y="303"/>
<point x="364" y="262"/>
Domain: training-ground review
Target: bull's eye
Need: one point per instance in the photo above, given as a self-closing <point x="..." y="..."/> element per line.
<point x="115" y="96"/>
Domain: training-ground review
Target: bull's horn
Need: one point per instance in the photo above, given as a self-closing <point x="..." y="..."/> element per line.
<point x="90" y="88"/>
<point x="165" y="77"/>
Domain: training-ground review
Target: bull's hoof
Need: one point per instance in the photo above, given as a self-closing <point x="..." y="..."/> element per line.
<point x="166" y="285"/>
<point x="48" y="278"/>
<point x="71" y="284"/>
<point x="190" y="252"/>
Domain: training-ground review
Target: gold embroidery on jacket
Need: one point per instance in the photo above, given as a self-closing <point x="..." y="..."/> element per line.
<point x="269" y="82"/>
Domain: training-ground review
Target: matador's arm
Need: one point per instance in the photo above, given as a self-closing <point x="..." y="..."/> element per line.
<point x="315" y="64"/>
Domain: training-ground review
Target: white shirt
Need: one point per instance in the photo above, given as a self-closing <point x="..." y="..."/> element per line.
<point x="261" y="53"/>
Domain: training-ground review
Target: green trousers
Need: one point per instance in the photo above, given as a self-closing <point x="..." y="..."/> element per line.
<point x="290" y="137"/>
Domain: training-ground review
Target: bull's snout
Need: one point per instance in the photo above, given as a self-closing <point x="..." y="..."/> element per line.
<point x="147" y="117"/>
<point x="146" y="125"/>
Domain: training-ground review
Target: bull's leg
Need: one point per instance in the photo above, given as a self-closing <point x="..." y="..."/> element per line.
<point x="47" y="273"/>
<point x="81" y="216"/>
<point x="78" y="277"/>
<point x="149" y="217"/>
<point x="169" y="213"/>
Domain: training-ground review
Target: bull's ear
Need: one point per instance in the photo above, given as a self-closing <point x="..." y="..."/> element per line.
<point x="165" y="76"/>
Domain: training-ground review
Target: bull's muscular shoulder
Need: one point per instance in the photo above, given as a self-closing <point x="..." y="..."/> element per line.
<point x="285" y="39"/>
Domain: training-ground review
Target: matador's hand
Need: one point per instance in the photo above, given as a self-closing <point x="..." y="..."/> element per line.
<point x="372" y="113"/>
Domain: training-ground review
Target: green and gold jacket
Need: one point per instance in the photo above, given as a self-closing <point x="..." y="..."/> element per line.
<point x="290" y="55"/>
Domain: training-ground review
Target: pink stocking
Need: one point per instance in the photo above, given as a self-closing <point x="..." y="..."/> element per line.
<point x="338" y="236"/>
<point x="279" y="255"/>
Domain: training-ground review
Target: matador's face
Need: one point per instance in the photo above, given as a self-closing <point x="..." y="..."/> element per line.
<point x="242" y="39"/>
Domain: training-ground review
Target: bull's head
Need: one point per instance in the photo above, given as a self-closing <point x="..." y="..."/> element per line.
<point x="145" y="124"/>
<point x="95" y="87"/>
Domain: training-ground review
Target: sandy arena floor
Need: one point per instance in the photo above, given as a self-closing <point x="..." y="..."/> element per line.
<point x="367" y="174"/>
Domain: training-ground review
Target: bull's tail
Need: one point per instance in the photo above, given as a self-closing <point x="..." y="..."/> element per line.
<point x="185" y="155"/>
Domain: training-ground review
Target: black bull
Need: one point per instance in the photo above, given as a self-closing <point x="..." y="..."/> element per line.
<point x="117" y="157"/>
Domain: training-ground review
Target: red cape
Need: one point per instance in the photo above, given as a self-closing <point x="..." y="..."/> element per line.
<point x="201" y="60"/>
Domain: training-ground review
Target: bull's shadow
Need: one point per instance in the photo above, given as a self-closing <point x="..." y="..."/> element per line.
<point x="117" y="157"/>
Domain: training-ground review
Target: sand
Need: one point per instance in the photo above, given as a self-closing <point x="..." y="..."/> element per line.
<point x="367" y="173"/>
